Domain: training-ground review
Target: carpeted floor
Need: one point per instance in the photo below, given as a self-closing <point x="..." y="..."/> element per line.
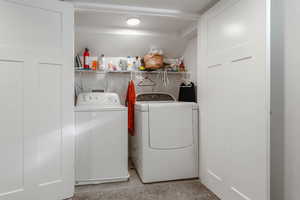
<point x="134" y="189"/>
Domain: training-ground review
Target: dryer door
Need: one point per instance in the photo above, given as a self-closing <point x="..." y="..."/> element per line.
<point x="170" y="125"/>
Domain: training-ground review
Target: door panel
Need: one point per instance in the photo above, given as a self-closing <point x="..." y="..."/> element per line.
<point x="44" y="23"/>
<point x="216" y="148"/>
<point x="232" y="26"/>
<point x="50" y="123"/>
<point x="236" y="99"/>
<point x="248" y="139"/>
<point x="36" y="82"/>
<point x="12" y="163"/>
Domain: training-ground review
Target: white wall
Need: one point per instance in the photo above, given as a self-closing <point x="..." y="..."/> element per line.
<point x="285" y="100"/>
<point x="114" y="45"/>
<point x="190" y="58"/>
<point x="118" y="82"/>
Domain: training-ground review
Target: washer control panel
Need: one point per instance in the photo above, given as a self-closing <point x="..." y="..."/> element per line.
<point x="97" y="98"/>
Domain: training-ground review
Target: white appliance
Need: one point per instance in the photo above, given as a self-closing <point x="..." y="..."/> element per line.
<point x="101" y="139"/>
<point x="165" y="145"/>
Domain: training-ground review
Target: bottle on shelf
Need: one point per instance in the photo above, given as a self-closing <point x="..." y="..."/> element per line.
<point x="86" y="56"/>
<point x="130" y="63"/>
<point x="182" y="66"/>
<point x="102" y="63"/>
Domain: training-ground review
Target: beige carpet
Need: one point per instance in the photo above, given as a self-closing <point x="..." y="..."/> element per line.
<point x="134" y="189"/>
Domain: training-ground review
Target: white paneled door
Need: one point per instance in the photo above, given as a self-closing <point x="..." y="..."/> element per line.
<point x="36" y="100"/>
<point x="234" y="99"/>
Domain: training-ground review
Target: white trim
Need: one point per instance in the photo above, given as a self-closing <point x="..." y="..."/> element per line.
<point x="202" y="38"/>
<point x="268" y="92"/>
<point x="100" y="181"/>
<point x="123" y="31"/>
<point x="134" y="11"/>
<point x="190" y="32"/>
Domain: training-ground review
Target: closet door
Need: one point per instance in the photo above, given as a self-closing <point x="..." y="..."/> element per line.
<point x="234" y="99"/>
<point x="36" y="100"/>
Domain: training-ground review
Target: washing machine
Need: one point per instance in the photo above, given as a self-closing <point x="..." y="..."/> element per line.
<point x="101" y="147"/>
<point x="165" y="144"/>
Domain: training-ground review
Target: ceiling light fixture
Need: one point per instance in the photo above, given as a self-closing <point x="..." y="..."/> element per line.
<point x="133" y="21"/>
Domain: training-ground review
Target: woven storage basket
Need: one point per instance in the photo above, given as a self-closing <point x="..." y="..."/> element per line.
<point x="153" y="61"/>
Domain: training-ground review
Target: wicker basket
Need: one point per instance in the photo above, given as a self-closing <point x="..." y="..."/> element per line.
<point x="153" y="61"/>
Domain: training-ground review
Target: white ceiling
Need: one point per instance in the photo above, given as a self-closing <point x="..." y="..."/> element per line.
<point x="166" y="24"/>
<point x="158" y="17"/>
<point x="159" y="24"/>
<point x="187" y="6"/>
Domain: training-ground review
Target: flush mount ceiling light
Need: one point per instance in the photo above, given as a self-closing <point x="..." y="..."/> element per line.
<point x="133" y="21"/>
